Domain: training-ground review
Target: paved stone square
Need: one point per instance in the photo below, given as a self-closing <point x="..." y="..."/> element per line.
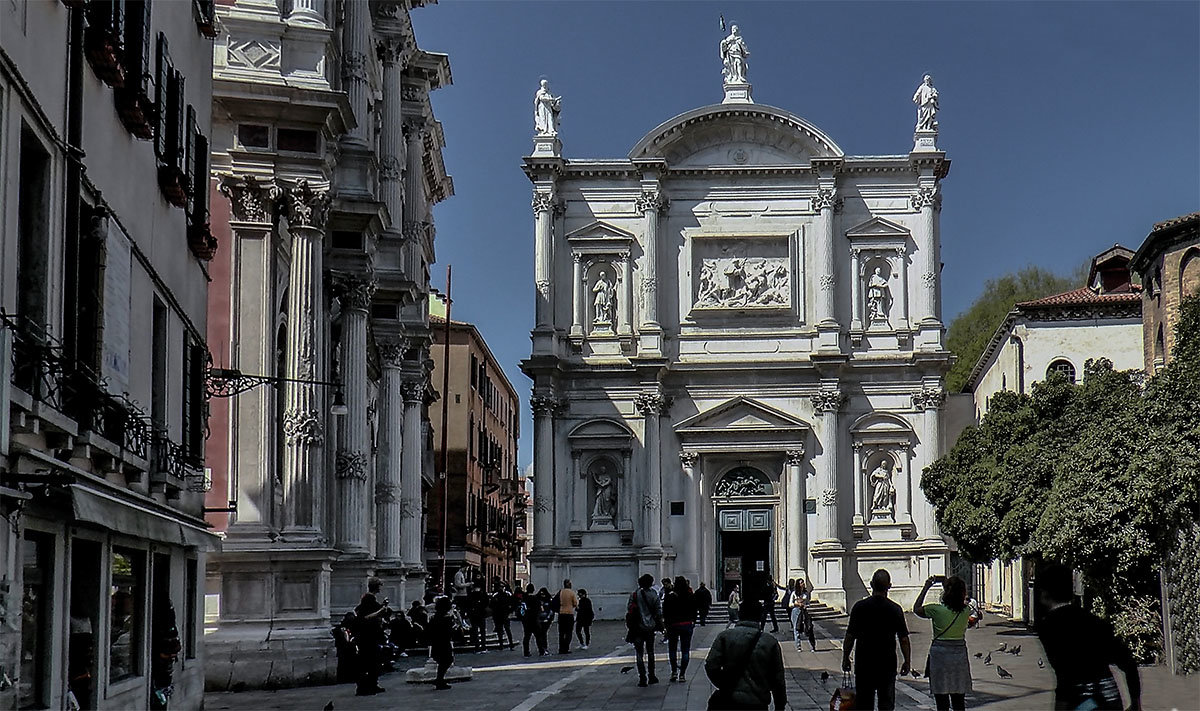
<point x="594" y="679"/>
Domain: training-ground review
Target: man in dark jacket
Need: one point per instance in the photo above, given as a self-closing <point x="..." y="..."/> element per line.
<point x="441" y="640"/>
<point x="477" y="613"/>
<point x="703" y="603"/>
<point x="502" y="607"/>
<point x="875" y="624"/>
<point x="746" y="665"/>
<point x="643" y="617"/>
<point x="529" y="611"/>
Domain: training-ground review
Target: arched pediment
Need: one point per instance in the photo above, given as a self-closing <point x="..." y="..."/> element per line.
<point x="881" y="427"/>
<point x="736" y="135"/>
<point x="601" y="433"/>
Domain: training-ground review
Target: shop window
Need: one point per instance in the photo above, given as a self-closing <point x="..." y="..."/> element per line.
<point x="37" y="552"/>
<point x="84" y="621"/>
<point x="191" y="624"/>
<point x="1064" y="367"/>
<point x="126" y="613"/>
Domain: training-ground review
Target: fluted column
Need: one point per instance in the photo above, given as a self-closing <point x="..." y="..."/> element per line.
<point x="543" y="206"/>
<point x="252" y="453"/>
<point x="414" y="173"/>
<point x="828" y="404"/>
<point x="356" y="38"/>
<point x="931" y="400"/>
<point x="353" y="515"/>
<point x="308" y="12"/>
<point x="625" y="301"/>
<point x="926" y="202"/>
<point x="411" y="535"/>
<point x="651" y="203"/>
<point x="652" y="405"/>
<point x="797" y="538"/>
<point x="391" y="136"/>
<point x="543" y="404"/>
<point x="902" y="265"/>
<point x="578" y="307"/>
<point x="388" y="476"/>
<point x="826" y="265"/>
<point x="856" y="319"/>
<point x="304" y="417"/>
<point x="693" y="499"/>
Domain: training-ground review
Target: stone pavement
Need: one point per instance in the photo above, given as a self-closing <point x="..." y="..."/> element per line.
<point x="594" y="679"/>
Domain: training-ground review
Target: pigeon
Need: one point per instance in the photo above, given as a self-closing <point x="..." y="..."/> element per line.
<point x="1003" y="672"/>
<point x="1015" y="650"/>
<point x="979" y="655"/>
<point x="988" y="660"/>
<point x="1003" y="646"/>
<point x="824" y="676"/>
<point x="626" y="670"/>
<point x="329" y="706"/>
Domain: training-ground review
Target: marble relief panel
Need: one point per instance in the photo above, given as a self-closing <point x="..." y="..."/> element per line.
<point x="742" y="273"/>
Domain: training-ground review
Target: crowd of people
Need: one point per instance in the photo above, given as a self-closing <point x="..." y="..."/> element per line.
<point x="744" y="663"/>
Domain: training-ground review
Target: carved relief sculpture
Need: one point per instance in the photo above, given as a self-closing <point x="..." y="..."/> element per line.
<point x="546" y="108"/>
<point x="602" y="301"/>
<point x="883" y="493"/>
<point x="926" y="99"/>
<point x="737" y="282"/>
<point x="733" y="57"/>
<point x="879" y="297"/>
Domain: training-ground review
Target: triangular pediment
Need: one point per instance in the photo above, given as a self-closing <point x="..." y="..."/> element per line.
<point x="741" y="414"/>
<point x="600" y="232"/>
<point x="877" y="227"/>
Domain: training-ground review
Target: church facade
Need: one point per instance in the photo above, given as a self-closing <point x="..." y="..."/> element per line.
<point x="738" y="355"/>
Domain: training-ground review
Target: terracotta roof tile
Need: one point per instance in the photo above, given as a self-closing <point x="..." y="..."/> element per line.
<point x="1084" y="296"/>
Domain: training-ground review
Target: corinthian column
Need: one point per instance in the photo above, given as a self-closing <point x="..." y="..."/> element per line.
<point x="931" y="401"/>
<point x="251" y="427"/>
<point x="693" y="498"/>
<point x="651" y="203"/>
<point x="356" y="37"/>
<point x="827" y="404"/>
<point x="543" y="206"/>
<point x="351" y="465"/>
<point x="543" y="405"/>
<point x="411" y="538"/>
<point x="652" y="405"/>
<point x="826" y="264"/>
<point x="927" y="202"/>
<point x="797" y="538"/>
<point x="388" y="477"/>
<point x="303" y="423"/>
<point x="391" y="137"/>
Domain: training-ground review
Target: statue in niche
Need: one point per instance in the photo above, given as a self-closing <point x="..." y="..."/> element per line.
<point x="926" y="99"/>
<point x="733" y="57"/>
<point x="879" y="296"/>
<point x="546" y="108"/>
<point x="605" y="508"/>
<point x="883" y="493"/>
<point x="602" y="301"/>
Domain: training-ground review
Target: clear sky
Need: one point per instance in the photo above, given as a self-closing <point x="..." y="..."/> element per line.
<point x="1071" y="126"/>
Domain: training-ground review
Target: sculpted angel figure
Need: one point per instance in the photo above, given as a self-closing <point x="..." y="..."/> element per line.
<point x="881" y="487"/>
<point x="602" y="301"/>
<point x="546" y="108"/>
<point x="733" y="57"/>
<point x="926" y="99"/>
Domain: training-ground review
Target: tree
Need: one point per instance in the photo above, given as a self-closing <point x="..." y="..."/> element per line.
<point x="1103" y="476"/>
<point x="970" y="332"/>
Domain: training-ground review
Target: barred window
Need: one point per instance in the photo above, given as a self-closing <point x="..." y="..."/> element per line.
<point x="1062" y="366"/>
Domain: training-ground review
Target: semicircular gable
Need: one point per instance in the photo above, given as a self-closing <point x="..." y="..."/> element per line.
<point x="601" y="427"/>
<point x="736" y="134"/>
<point x="881" y="423"/>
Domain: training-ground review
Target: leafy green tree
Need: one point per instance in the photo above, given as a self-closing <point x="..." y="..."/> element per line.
<point x="969" y="334"/>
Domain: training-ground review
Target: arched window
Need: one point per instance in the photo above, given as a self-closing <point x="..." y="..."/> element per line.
<point x="1062" y="366"/>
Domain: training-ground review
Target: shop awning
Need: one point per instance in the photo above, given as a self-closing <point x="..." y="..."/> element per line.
<point x="132" y="519"/>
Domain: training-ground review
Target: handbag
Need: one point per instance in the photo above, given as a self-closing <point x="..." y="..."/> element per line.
<point x="843" y="696"/>
<point x="930" y="653"/>
<point x="720" y="698"/>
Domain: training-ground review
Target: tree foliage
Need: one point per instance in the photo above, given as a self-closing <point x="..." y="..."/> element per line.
<point x="1103" y="476"/>
<point x="969" y="334"/>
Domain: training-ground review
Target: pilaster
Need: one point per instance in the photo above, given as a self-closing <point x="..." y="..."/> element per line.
<point x="412" y="539"/>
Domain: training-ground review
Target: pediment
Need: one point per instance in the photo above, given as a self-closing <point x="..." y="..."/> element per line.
<point x="877" y="227"/>
<point x="741" y="414"/>
<point x="881" y="427"/>
<point x="600" y="233"/>
<point x="600" y="429"/>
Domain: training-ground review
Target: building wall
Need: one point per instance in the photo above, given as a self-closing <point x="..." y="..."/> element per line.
<point x="1173" y="274"/>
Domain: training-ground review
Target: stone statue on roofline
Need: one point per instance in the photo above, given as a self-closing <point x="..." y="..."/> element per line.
<point x="733" y="57"/>
<point x="546" y="109"/>
<point x="926" y="99"/>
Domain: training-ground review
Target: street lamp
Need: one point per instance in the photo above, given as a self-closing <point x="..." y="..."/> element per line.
<point x="228" y="382"/>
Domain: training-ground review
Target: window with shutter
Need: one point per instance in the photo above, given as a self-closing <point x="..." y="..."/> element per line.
<point x="162" y="79"/>
<point x="172" y="178"/>
<point x="133" y="99"/>
<point x="189" y="157"/>
<point x="179" y="116"/>
<point x="104" y="38"/>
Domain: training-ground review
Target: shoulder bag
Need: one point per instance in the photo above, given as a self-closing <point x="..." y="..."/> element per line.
<point x="927" y="656"/>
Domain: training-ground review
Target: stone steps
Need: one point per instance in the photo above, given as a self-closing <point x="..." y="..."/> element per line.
<point x="819" y="611"/>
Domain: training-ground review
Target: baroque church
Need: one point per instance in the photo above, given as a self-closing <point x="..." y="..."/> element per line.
<point x="738" y="356"/>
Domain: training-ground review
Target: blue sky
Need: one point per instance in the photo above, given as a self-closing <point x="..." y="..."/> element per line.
<point x="1071" y="126"/>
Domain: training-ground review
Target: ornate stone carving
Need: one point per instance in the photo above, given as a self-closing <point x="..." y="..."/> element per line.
<point x="303" y="428"/>
<point x="390" y="168"/>
<point x="351" y="465"/>
<point x="795" y="456"/>
<point x="546" y="110"/>
<point x="827" y="401"/>
<point x="390" y="50"/>
<point x="883" y="492"/>
<point x="926" y="99"/>
<point x="829" y="497"/>
<point x="652" y="200"/>
<point x="929" y="279"/>
<point x="414" y="230"/>
<point x="929" y="399"/>
<point x="410" y="507"/>
<point x="386" y="492"/>
<point x="827" y="282"/>
<point x="651" y="403"/>
<point x="734" y="67"/>
<point x="306" y="207"/>
<point x="927" y="197"/>
<point x="688" y="459"/>
<point x="355" y="291"/>
<point x="543" y="288"/>
<point x="544" y="404"/>
<point x="542" y="202"/>
<point x="251" y="197"/>
<point x="413" y="391"/>
<point x="603" y="301"/>
<point x="604" y="508"/>
<point x="253" y="53"/>
<point x="542" y="504"/>
<point x="737" y="282"/>
<point x="649" y="284"/>
<point x="741" y="482"/>
<point x="411" y="93"/>
<point x="354" y="66"/>
<point x="391" y="351"/>
<point x="823" y="200"/>
<point x="414" y="127"/>
<point x="650" y="503"/>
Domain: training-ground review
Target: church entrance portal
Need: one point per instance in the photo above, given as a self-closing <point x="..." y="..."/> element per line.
<point x="745" y="560"/>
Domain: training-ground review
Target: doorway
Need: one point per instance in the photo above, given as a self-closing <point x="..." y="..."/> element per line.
<point x="744" y="558"/>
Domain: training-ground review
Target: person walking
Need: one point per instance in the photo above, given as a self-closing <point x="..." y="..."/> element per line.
<point x="679" y="613"/>
<point x="545" y="619"/>
<point x="643" y="617"/>
<point x="477" y="614"/>
<point x="746" y="665"/>
<point x="735" y="604"/>
<point x="529" y="611"/>
<point x="949" y="667"/>
<point x="369" y="637"/>
<point x="568" y="602"/>
<point x="875" y="624"/>
<point x="441" y="640"/>
<point x="802" y="624"/>
<point x="1080" y="647"/>
<point x="502" y="607"/>
<point x="585" y="614"/>
<point x="769" y="596"/>
<point x="703" y="602"/>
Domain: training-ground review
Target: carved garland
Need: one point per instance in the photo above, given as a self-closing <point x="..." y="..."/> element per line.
<point x="351" y="465"/>
<point x="302" y="428"/>
<point x="390" y="168"/>
<point x="386" y="492"/>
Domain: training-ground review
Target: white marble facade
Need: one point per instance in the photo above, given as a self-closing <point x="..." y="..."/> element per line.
<point x="738" y="329"/>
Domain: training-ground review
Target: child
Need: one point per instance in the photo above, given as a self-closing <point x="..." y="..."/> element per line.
<point x="583" y="619"/>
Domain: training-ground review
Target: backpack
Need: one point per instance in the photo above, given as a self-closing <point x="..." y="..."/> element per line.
<point x="633" y="615"/>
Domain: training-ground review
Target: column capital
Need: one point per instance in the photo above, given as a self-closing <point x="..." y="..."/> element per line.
<point x="355" y="291"/>
<point x="826" y="199"/>
<point x="927" y="196"/>
<point x="306" y="206"/>
<point x="652" y="403"/>
<point x="652" y="200"/>
<point x="414" y="127"/>
<point x="252" y="198"/>
<point x="354" y="66"/>
<point x="689" y="459"/>
<point x="544" y="404"/>
<point x="413" y="392"/>
<point x="542" y="202"/>
<point x="350" y="465"/>
<point x="929" y="399"/>
<point x="391" y="350"/>
<point x="828" y="401"/>
<point x="303" y="427"/>
<point x="391" y="50"/>
<point x="795" y="455"/>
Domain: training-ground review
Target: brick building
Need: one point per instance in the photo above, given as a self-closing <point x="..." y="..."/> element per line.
<point x="486" y="492"/>
<point x="1169" y="264"/>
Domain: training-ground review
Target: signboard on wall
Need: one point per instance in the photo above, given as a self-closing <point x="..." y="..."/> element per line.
<point x="733" y="568"/>
<point x="114" y="361"/>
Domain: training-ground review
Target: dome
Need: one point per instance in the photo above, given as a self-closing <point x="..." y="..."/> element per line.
<point x="736" y="134"/>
